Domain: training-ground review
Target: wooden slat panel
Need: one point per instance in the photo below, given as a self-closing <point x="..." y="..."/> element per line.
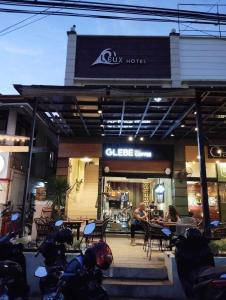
<point x="138" y="166"/>
<point x="79" y="150"/>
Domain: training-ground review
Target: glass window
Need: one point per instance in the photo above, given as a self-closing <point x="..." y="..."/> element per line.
<point x="195" y="198"/>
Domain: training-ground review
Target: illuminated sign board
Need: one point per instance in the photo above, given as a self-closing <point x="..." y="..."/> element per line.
<point x="117" y="57"/>
<point x="130" y="151"/>
<point x="127" y="153"/>
<point x="217" y="151"/>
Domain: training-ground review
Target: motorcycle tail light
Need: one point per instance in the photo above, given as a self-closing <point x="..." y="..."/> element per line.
<point x="218" y="283"/>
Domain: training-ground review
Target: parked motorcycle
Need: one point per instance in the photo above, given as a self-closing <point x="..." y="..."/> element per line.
<point x="199" y="277"/>
<point x="82" y="276"/>
<point x="53" y="251"/>
<point x="13" y="279"/>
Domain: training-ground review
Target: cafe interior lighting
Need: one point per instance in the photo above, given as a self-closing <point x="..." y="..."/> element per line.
<point x="86" y="159"/>
<point x="195" y="112"/>
<point x="141" y="138"/>
<point x="172" y="134"/>
<point x="182" y="125"/>
<point x="130" y="138"/>
<point x="196" y="129"/>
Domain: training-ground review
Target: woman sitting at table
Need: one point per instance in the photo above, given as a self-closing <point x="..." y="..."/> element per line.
<point x="172" y="215"/>
<point x="138" y="216"/>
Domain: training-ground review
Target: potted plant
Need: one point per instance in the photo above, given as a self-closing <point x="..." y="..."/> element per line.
<point x="218" y="247"/>
<point x="59" y="189"/>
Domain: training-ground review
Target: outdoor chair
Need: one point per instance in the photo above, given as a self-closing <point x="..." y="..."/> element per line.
<point x="46" y="212"/>
<point x="154" y="232"/>
<point x="100" y="230"/>
<point x="44" y="227"/>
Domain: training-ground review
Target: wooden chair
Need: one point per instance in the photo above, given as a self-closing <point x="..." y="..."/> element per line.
<point x="46" y="212"/>
<point x="44" y="227"/>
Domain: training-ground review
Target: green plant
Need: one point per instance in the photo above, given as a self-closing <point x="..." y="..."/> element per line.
<point x="218" y="246"/>
<point x="59" y="188"/>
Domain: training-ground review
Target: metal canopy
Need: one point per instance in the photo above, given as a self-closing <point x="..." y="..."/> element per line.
<point x="127" y="111"/>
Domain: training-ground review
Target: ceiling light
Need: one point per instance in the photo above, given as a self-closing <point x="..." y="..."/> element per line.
<point x="141" y="138"/>
<point x="195" y="112"/>
<point x="86" y="159"/>
<point x="103" y="134"/>
<point x="196" y="129"/>
<point x="99" y="111"/>
<point x="182" y="125"/>
<point x="130" y="138"/>
<point x="157" y="99"/>
<point x="101" y="125"/>
<point x="198" y="157"/>
<point x="172" y="134"/>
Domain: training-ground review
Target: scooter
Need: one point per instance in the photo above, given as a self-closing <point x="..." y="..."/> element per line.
<point x="82" y="277"/>
<point x="13" y="279"/>
<point x="199" y="277"/>
<point x="53" y="250"/>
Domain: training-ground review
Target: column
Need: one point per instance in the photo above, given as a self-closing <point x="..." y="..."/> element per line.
<point x="179" y="186"/>
<point x="71" y="54"/>
<point x="11" y="124"/>
<point x="202" y="164"/>
<point x="175" y="59"/>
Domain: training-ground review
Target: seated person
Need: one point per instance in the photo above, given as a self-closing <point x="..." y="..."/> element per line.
<point x="172" y="215"/>
<point x="138" y="216"/>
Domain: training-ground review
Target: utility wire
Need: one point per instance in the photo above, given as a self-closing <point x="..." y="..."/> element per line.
<point x="24" y="20"/>
<point x="47" y="13"/>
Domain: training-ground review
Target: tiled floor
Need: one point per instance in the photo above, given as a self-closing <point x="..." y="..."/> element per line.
<point x="126" y="255"/>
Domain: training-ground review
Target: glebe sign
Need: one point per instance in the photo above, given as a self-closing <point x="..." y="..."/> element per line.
<point x="127" y="153"/>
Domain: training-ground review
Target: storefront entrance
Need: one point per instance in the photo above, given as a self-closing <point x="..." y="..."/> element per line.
<point x="121" y="196"/>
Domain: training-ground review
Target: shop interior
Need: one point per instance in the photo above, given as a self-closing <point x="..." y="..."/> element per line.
<point x="122" y="195"/>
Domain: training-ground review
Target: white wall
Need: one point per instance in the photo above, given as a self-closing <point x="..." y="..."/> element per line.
<point x="202" y="58"/>
<point x="82" y="203"/>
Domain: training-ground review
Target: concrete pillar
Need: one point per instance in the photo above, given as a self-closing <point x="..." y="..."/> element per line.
<point x="11" y="124"/>
<point x="180" y="198"/>
<point x="175" y="59"/>
<point x="71" y="54"/>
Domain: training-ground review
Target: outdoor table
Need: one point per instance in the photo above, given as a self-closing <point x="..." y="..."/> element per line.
<point x="180" y="227"/>
<point x="74" y="224"/>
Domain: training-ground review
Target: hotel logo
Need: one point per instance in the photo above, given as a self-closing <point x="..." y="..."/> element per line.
<point x="109" y="57"/>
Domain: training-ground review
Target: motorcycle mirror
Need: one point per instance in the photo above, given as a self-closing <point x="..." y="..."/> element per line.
<point x="15" y="216"/>
<point x="59" y="223"/>
<point x="166" y="231"/>
<point x="89" y="228"/>
<point x="41" y="272"/>
<point x="215" y="223"/>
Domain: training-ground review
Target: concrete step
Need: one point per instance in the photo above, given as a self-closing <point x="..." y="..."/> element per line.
<point x="139" y="288"/>
<point x="153" y="273"/>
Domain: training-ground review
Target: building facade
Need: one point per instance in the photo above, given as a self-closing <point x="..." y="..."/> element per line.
<point x="158" y="171"/>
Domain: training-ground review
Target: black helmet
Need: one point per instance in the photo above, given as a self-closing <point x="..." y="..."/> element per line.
<point x="64" y="236"/>
<point x="193" y="233"/>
